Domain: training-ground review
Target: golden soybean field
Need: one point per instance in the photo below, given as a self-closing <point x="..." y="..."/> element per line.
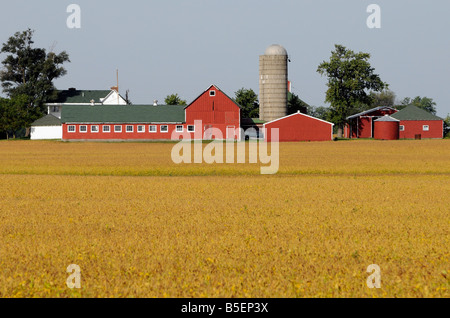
<point x="139" y="225"/>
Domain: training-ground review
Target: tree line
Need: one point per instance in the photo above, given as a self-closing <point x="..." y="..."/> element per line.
<point x="28" y="73"/>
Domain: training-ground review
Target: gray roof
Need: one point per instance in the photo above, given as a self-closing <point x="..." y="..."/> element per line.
<point x="48" y="120"/>
<point x="412" y="112"/>
<point x="73" y="96"/>
<point x="387" y="118"/>
<point x="123" y="114"/>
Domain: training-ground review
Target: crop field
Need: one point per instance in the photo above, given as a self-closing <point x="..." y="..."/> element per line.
<point x="139" y="225"/>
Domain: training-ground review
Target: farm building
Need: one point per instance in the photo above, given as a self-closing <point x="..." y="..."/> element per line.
<point x="48" y="127"/>
<point x="300" y="127"/>
<point x="361" y="125"/>
<point x="386" y="128"/>
<point x="72" y="96"/>
<point x="416" y="123"/>
<point x="212" y="115"/>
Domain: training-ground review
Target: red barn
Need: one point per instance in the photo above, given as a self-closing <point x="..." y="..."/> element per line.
<point x="216" y="110"/>
<point x="213" y="109"/>
<point x="416" y="123"/>
<point x="361" y="125"/>
<point x="300" y="127"/>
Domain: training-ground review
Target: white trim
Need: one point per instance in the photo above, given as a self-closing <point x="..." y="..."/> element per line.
<point x="143" y="130"/>
<point x="298" y="113"/>
<point x="427" y="127"/>
<point x="178" y="131"/>
<point x="163" y="132"/>
<point x="402" y="127"/>
<point x="152" y="132"/>
<point x="212" y="93"/>
<point x="118" y="132"/>
<point x="71" y="132"/>
<point x="190" y="131"/>
<point x="84" y="132"/>
<point x="95" y="132"/>
<point x="127" y="131"/>
<point x="109" y="129"/>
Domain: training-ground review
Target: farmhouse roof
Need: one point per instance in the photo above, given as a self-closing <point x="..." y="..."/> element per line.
<point x="123" y="114"/>
<point x="73" y="96"/>
<point x="412" y="112"/>
<point x="48" y="120"/>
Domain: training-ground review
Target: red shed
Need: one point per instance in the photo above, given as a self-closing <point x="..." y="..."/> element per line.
<point x="386" y="128"/>
<point x="300" y="127"/>
<point x="416" y="123"/>
<point x="361" y="125"/>
<point x="216" y="110"/>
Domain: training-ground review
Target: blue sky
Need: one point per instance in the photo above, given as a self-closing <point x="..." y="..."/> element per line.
<point x="175" y="46"/>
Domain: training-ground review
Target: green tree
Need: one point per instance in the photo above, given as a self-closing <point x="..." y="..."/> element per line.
<point x="320" y="112"/>
<point x="350" y="76"/>
<point x="174" y="99"/>
<point x="30" y="71"/>
<point x="384" y="98"/>
<point x="295" y="104"/>
<point x="13" y="114"/>
<point x="424" y="103"/>
<point x="248" y="100"/>
<point x="447" y="126"/>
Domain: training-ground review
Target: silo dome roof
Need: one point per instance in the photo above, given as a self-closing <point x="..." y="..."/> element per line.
<point x="276" y="49"/>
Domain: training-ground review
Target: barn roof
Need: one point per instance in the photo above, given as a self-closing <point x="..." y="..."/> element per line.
<point x="370" y="111"/>
<point x="48" y="120"/>
<point x="412" y="112"/>
<point x="123" y="114"/>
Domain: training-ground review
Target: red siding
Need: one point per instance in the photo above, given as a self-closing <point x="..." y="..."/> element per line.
<point x="300" y="127"/>
<point x="386" y="130"/>
<point x="217" y="111"/>
<point x="135" y="135"/>
<point x="415" y="127"/>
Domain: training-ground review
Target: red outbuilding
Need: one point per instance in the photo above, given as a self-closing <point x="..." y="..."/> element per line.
<point x="416" y="123"/>
<point x="386" y="128"/>
<point x="361" y="125"/>
<point x="299" y="127"/>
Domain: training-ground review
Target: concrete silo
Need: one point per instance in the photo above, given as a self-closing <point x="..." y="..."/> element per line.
<point x="273" y="83"/>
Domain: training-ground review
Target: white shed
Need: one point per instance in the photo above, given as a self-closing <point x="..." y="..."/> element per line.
<point x="46" y="128"/>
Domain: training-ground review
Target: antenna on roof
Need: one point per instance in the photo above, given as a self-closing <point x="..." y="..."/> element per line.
<point x="117" y="75"/>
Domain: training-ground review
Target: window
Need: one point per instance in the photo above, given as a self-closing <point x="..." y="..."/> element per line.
<point x="179" y="128"/>
<point x="402" y="128"/>
<point x="426" y="128"/>
<point x="152" y="128"/>
<point x="164" y="128"/>
<point x="106" y="129"/>
<point x="141" y="129"/>
<point x="83" y="129"/>
<point x="55" y="109"/>
<point x="118" y="129"/>
<point x="212" y="93"/>
<point x="129" y="129"/>
<point x="94" y="129"/>
<point x="72" y="129"/>
<point x="191" y="128"/>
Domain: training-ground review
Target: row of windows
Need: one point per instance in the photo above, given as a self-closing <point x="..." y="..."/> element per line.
<point x="424" y="127"/>
<point x="128" y="128"/>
